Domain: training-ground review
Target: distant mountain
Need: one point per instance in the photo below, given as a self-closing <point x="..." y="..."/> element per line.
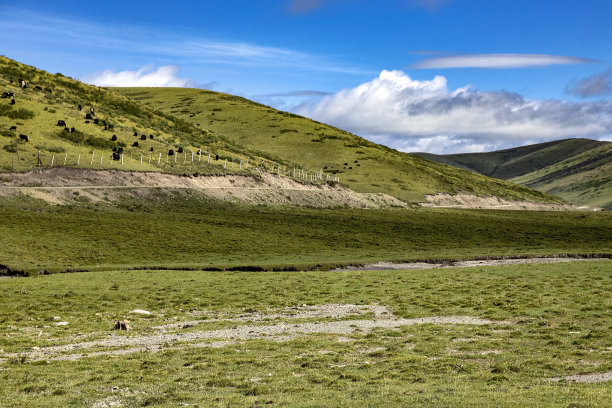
<point x="361" y="165"/>
<point x="578" y="170"/>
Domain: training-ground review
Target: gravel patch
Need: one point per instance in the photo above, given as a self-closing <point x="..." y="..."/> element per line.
<point x="281" y="331"/>
<point x="390" y="266"/>
<point x="329" y="311"/>
<point x="585" y="378"/>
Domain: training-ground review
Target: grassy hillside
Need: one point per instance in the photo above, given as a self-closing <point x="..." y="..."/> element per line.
<point x="51" y="98"/>
<point x="585" y="178"/>
<point x="362" y="165"/>
<point x="578" y="170"/>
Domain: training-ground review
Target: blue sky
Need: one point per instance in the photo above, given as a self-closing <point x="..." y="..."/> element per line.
<point x="512" y="72"/>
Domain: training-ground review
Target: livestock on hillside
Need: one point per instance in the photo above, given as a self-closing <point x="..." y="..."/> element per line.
<point x="23" y="137"/>
<point x="61" y="123"/>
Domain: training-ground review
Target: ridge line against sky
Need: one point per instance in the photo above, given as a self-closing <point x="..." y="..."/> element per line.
<point x="528" y="65"/>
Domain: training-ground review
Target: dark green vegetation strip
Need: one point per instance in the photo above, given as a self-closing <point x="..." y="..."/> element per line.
<point x="193" y="233"/>
<point x="557" y="315"/>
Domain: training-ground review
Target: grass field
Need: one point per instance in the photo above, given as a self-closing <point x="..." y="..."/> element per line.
<point x="175" y="231"/>
<point x="547" y="321"/>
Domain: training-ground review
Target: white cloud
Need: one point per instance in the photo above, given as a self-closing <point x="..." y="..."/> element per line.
<point x="413" y="115"/>
<point x="166" y="76"/>
<point x="498" y="61"/>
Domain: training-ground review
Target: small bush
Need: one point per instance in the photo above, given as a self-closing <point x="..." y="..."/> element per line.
<point x="21" y="113"/>
<point x="13" y="146"/>
<point x="85" y="139"/>
<point x="52" y="149"/>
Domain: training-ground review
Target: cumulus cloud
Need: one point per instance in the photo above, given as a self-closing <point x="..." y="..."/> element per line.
<point x="596" y="85"/>
<point x="165" y="76"/>
<point x="413" y="115"/>
<point x="498" y="61"/>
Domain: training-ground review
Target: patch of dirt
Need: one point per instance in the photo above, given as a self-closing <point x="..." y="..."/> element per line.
<point x="65" y="186"/>
<point x="464" y="200"/>
<point x="390" y="266"/>
<point x="585" y="378"/>
<point x="108" y="402"/>
<point x="275" y="331"/>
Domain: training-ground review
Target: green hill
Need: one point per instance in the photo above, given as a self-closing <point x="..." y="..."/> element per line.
<point x="140" y="136"/>
<point x="578" y="170"/>
<point x="361" y="165"/>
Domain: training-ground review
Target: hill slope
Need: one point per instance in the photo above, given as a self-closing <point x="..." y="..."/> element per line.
<point x="578" y="170"/>
<point x="362" y="165"/>
<point x="141" y="137"/>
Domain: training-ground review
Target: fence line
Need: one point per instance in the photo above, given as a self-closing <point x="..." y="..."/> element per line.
<point x="295" y="173"/>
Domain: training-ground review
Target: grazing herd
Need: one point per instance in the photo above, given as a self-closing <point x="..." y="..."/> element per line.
<point x="90" y="117"/>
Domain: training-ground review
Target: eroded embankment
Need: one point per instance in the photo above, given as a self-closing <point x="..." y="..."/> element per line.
<point x="65" y="186"/>
<point x="464" y="200"/>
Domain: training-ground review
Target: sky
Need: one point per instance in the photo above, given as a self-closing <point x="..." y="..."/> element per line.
<point x="441" y="76"/>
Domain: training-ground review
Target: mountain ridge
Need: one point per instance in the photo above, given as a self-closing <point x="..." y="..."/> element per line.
<point x="578" y="170"/>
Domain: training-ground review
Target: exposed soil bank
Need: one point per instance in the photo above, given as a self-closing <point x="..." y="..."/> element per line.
<point x="66" y="186"/>
<point x="463" y="200"/>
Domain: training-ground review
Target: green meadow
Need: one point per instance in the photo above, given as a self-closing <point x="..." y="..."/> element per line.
<point x="546" y="321"/>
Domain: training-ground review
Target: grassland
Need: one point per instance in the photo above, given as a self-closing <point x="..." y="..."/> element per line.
<point x="174" y="230"/>
<point x="361" y="165"/>
<point x="547" y="321"/>
<point x="578" y="170"/>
